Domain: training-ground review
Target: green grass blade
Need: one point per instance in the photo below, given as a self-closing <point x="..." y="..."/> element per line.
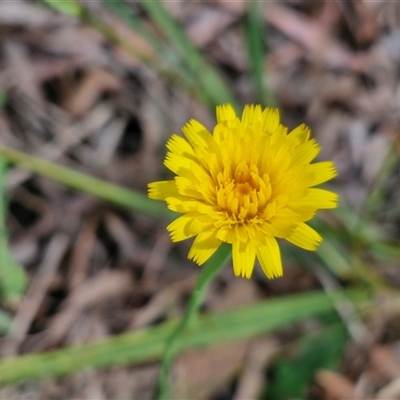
<point x="69" y="7"/>
<point x="215" y="89"/>
<point x="292" y="373"/>
<point x="12" y="276"/>
<point x="123" y="12"/>
<point x="167" y="64"/>
<point x="256" y="50"/>
<point x="77" y="180"/>
<point x="5" y="322"/>
<point x="335" y="257"/>
<point x="169" y="67"/>
<point x="199" y="77"/>
<point x="3" y="99"/>
<point x="147" y="345"/>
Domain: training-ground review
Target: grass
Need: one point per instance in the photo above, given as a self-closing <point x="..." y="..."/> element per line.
<point x="12" y="276"/>
<point x="103" y="190"/>
<point x="255" y="34"/>
<point x="147" y="345"/>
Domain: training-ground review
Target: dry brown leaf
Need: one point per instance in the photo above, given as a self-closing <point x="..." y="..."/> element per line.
<point x="312" y="36"/>
<point x="131" y="44"/>
<point x="239" y="292"/>
<point x="20" y="74"/>
<point x="335" y="386"/>
<point x="83" y="98"/>
<point x="390" y="391"/>
<point x="81" y="252"/>
<point x="200" y="372"/>
<point x="36" y="293"/>
<point x="361" y="20"/>
<point x="92" y="291"/>
<point x="27" y="15"/>
<point x="209" y="24"/>
<point x="237" y="6"/>
<point x="385" y="363"/>
<point x="251" y="381"/>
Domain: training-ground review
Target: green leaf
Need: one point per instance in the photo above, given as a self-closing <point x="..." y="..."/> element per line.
<point x="292" y="375"/>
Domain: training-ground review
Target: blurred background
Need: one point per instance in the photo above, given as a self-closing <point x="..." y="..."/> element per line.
<point x="98" y="87"/>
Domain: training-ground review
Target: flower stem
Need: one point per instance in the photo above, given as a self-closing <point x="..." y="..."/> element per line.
<point x="206" y="275"/>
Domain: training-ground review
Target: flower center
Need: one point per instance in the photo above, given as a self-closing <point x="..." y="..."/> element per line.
<point x="243" y="194"/>
<point x="242" y="189"/>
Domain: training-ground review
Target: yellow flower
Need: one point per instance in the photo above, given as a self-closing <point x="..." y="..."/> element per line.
<point x="246" y="183"/>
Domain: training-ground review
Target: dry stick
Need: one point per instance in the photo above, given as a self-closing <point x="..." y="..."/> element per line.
<point x="252" y="379"/>
<point x="72" y="135"/>
<point x="36" y="293"/>
<point x="344" y="307"/>
<point x="158" y="255"/>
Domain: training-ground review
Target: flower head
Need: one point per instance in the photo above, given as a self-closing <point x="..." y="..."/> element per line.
<point x="246" y="183"/>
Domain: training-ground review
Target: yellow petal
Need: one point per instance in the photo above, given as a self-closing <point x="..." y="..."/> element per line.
<point x="243" y="257"/>
<point x="197" y="174"/>
<point x="181" y="204"/>
<point x="251" y="115"/>
<point x="178" y="145"/>
<point x="187" y="188"/>
<point x="227" y="234"/>
<point x="284" y="222"/>
<point x="225" y="112"/>
<point x="162" y="189"/>
<point x="321" y="172"/>
<point x="270" y="119"/>
<point x="269" y="257"/>
<point x="306" y="152"/>
<point x="241" y="232"/>
<point x="318" y="198"/>
<point x="300" y="134"/>
<point x="188" y="225"/>
<point x="304" y="213"/>
<point x="177" y="162"/>
<point x="204" y="144"/>
<point x="180" y="228"/>
<point x="265" y="229"/>
<point x="305" y="237"/>
<point x="196" y="134"/>
<point x="204" y="246"/>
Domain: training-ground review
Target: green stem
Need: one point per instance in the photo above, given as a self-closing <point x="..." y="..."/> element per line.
<point x="206" y="275"/>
